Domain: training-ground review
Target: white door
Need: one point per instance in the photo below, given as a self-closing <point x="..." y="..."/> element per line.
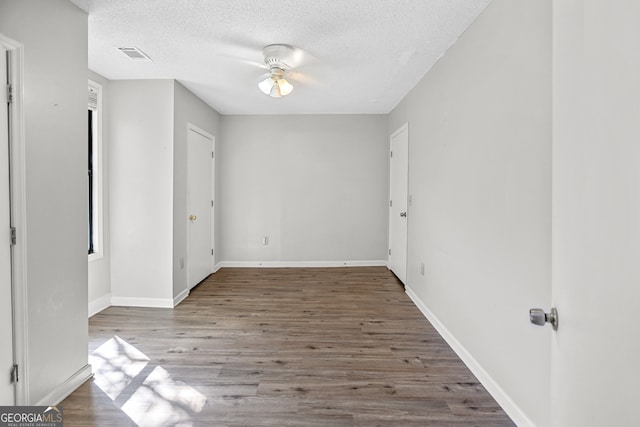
<point x="596" y="213"/>
<point x="200" y="148"/>
<point x="399" y="180"/>
<point x="6" y="317"/>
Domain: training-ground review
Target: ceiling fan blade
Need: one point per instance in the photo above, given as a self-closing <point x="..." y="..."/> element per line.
<point x="302" y="58"/>
<point x="255" y="64"/>
<point x="302" y="78"/>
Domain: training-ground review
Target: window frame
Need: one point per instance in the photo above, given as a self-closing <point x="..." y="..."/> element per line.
<point x="95" y="92"/>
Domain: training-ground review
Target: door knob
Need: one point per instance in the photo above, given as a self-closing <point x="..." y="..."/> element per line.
<point x="403" y="214"/>
<point x="537" y="316"/>
<point x="192" y="217"/>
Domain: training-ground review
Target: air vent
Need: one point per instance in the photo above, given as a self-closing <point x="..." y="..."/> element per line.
<point x="134" y="53"/>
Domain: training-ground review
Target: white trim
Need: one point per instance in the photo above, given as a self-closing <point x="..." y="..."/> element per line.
<point x="393" y="135"/>
<point x="214" y="212"/>
<point x="300" y="264"/>
<point x="180" y="297"/>
<point x="98" y="175"/>
<point x="19" y="218"/>
<point x="95" y="256"/>
<point x="202" y="132"/>
<point x="66" y="388"/>
<point x="399" y="130"/>
<point x="514" y="411"/>
<point x="212" y="267"/>
<point x="142" y="302"/>
<point x="99" y="304"/>
<point x="105" y="301"/>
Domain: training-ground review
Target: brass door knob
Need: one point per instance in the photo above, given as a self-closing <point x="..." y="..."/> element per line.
<point x="192" y="217"/>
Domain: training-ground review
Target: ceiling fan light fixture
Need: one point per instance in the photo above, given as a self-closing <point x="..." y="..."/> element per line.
<point x="276" y="85"/>
<point x="266" y="85"/>
<point x="275" y="56"/>
<point x="275" y="91"/>
<point x="285" y="87"/>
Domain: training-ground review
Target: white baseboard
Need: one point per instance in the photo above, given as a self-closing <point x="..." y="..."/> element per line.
<point x="503" y="399"/>
<point x="99" y="304"/>
<point x="217" y="267"/>
<point x="300" y="264"/>
<point x="180" y="297"/>
<point x="142" y="302"/>
<point x="66" y="388"/>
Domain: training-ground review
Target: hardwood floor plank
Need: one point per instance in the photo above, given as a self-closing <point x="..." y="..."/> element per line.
<point x="280" y="347"/>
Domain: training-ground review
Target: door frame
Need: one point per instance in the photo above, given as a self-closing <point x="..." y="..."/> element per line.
<point x="18" y="216"/>
<point x="403" y="128"/>
<point x="193" y="128"/>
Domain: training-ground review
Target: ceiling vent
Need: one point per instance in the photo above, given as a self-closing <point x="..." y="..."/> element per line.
<point x="134" y="53"/>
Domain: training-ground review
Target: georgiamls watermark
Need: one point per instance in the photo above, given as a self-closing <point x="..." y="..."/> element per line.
<point x="31" y="416"/>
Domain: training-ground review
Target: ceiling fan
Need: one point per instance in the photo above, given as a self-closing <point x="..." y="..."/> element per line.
<point x="280" y="58"/>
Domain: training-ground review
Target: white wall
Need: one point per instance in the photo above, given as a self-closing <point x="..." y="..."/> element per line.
<point x="317" y="186"/>
<point x="479" y="135"/>
<point x="55" y="139"/>
<point x="148" y="137"/>
<point x="141" y="159"/>
<point x="596" y="213"/>
<point x="187" y="109"/>
<point x="100" y="268"/>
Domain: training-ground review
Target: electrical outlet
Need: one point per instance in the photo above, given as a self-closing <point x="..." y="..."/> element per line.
<point x="422" y="268"/>
<point x="265" y="240"/>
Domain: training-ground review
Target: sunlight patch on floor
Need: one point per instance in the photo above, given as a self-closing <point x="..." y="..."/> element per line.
<point x="158" y="401"/>
<point x="163" y="401"/>
<point x="115" y="364"/>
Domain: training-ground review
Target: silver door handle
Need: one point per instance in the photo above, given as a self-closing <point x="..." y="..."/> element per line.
<point x="403" y="214"/>
<point x="537" y="316"/>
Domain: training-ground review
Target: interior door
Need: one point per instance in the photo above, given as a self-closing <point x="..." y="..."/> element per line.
<point x="399" y="182"/>
<point x="6" y="316"/>
<point x="596" y="213"/>
<point x="200" y="148"/>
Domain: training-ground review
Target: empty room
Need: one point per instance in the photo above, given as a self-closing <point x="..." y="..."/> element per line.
<point x="320" y="213"/>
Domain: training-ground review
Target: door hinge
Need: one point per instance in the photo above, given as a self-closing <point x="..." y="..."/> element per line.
<point x="390" y="203"/>
<point x="13" y="236"/>
<point x="212" y="203"/>
<point x="213" y="155"/>
<point x="389" y="251"/>
<point x="14" y="374"/>
<point x="9" y="93"/>
<point x="391" y="153"/>
<point x="211" y="251"/>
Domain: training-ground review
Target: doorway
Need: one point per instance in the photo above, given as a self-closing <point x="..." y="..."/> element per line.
<point x="398" y="198"/>
<point x="13" y="251"/>
<point x="200" y="204"/>
<point x="6" y="294"/>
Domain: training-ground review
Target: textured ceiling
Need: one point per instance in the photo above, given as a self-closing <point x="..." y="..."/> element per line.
<point x="357" y="56"/>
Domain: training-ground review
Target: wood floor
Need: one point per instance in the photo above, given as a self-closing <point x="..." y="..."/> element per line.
<point x="279" y="347"/>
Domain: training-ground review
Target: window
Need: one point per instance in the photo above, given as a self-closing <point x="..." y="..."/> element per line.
<point x="94" y="172"/>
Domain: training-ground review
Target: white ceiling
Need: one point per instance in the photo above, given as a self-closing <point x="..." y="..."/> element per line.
<point x="359" y="56"/>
